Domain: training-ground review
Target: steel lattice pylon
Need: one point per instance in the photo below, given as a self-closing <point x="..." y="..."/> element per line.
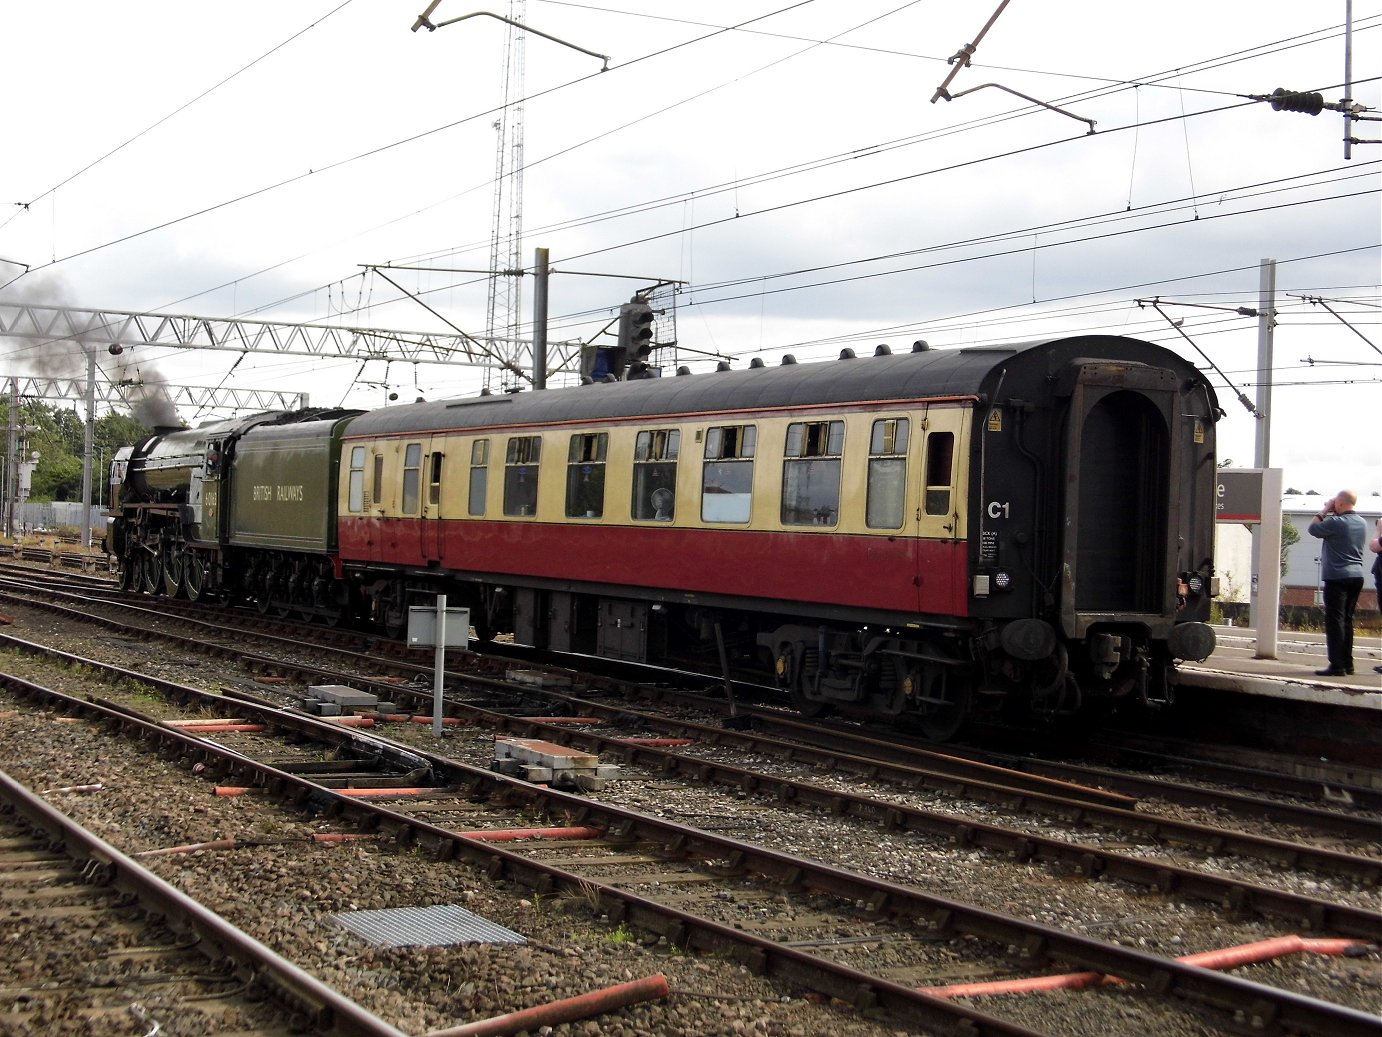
<point x="504" y="311"/>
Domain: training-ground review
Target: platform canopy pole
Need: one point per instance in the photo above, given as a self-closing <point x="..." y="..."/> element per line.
<point x="1268" y="565"/>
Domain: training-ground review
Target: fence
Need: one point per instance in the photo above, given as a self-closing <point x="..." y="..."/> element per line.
<point x="48" y="516"/>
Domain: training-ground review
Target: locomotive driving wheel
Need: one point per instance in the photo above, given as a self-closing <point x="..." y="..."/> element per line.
<point x="171" y="561"/>
<point x="150" y="572"/>
<point x="193" y="575"/>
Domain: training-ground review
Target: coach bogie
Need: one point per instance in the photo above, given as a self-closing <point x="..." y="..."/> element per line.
<point x="879" y="674"/>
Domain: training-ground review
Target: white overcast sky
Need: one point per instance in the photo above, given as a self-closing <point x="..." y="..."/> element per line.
<point x="784" y="160"/>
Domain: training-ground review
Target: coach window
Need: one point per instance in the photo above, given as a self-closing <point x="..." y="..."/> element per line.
<point x="940" y="453"/>
<point x="356" y="502"/>
<point x="434" y="480"/>
<point x="585" y="475"/>
<point x="655" y="474"/>
<point x="727" y="480"/>
<point x="479" y="471"/>
<point x="520" y="475"/>
<point x="811" y="473"/>
<point x="887" y="474"/>
<point x="412" y="474"/>
<point x="378" y="496"/>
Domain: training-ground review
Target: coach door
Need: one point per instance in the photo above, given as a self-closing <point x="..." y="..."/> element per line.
<point x="913" y="497"/>
<point x="941" y="442"/>
<point x="433" y="528"/>
<point x="1119" y="494"/>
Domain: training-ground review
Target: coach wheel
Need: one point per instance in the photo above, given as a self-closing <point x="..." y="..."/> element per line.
<point x="944" y="724"/>
<point x="800" y="674"/>
<point x="171" y="561"/>
<point x="395" y="621"/>
<point x="942" y="701"/>
<point x="393" y="611"/>
<point x="193" y="575"/>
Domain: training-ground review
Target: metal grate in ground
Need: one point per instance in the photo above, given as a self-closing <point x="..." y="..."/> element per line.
<point x="436" y="926"/>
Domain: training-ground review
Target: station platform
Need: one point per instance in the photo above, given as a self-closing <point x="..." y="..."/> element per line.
<point x="1235" y="667"/>
<point x="1279" y="703"/>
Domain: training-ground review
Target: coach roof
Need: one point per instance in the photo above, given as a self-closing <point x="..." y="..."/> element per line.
<point x="929" y="374"/>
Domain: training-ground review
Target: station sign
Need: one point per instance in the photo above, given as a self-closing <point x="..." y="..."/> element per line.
<point x="1238" y="495"/>
<point x="422" y="627"/>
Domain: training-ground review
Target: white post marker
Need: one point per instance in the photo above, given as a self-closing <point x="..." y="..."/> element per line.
<point x="439" y="665"/>
<point x="428" y="628"/>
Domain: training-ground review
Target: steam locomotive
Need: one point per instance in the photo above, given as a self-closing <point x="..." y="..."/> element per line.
<point x="941" y="534"/>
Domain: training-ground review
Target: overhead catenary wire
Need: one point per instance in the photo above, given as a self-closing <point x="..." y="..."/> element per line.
<point x="339" y="163"/>
<point x="762" y="278"/>
<point x="449" y="125"/>
<point x="1317" y="301"/>
<point x="854" y="154"/>
<point x="180" y="109"/>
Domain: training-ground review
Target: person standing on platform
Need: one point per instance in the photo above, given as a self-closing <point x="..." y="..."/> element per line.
<point x="1375" y="545"/>
<point x="1343" y="533"/>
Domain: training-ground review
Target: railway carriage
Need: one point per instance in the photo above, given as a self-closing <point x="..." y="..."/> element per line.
<point x="938" y="533"/>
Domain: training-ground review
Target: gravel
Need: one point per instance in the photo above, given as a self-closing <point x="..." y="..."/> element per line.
<point x="287" y="895"/>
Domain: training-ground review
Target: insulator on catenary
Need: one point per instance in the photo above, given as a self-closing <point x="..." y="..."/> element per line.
<point x="1296" y="101"/>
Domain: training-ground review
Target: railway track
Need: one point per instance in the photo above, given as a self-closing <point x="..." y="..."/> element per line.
<point x="36" y="556"/>
<point x="1084" y="795"/>
<point x="698" y="765"/>
<point x="97" y="943"/>
<point x="957" y="922"/>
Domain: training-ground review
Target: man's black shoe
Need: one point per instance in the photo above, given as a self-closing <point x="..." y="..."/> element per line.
<point x="1330" y="672"/>
<point x="1377" y="669"/>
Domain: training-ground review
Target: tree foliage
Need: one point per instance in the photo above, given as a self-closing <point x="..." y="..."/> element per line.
<point x="58" y="433"/>
<point x="1290" y="536"/>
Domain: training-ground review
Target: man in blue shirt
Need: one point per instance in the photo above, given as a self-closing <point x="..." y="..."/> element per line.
<point x="1342" y="532"/>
